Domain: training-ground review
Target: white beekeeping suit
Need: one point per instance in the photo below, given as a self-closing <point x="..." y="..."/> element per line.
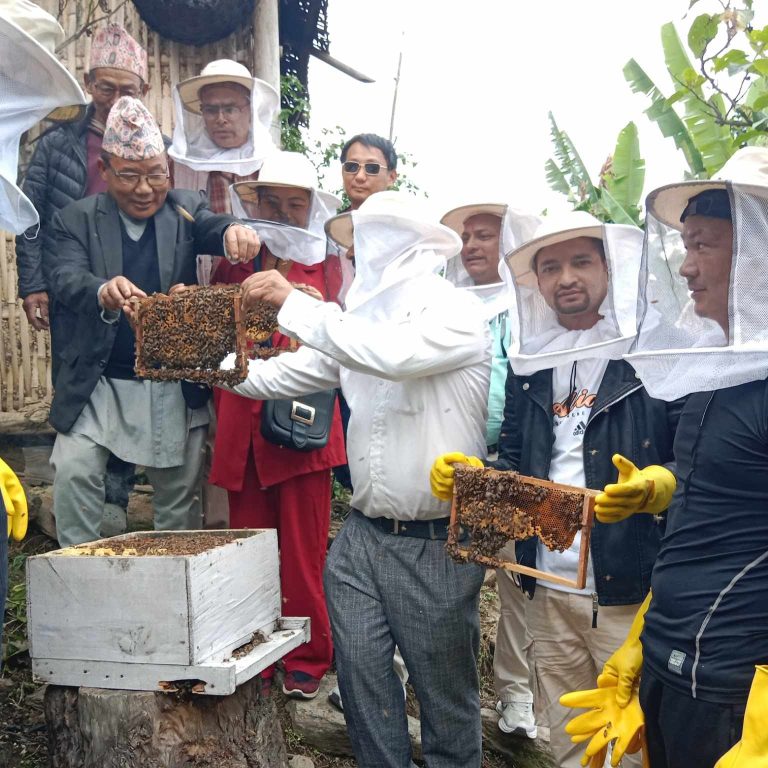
<point x="677" y="351"/>
<point x="539" y="341"/>
<point x="33" y="83"/>
<point x="407" y="341"/>
<point x="306" y="246"/>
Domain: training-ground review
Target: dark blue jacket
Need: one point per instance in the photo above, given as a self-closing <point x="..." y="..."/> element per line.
<point x="625" y="420"/>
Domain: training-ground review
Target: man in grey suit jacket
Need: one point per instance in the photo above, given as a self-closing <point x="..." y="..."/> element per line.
<point x="135" y="239"/>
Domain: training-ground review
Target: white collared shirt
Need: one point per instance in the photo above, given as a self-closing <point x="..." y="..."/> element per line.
<point x="416" y="380"/>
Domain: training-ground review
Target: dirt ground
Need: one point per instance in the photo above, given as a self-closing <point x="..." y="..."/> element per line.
<point x="23" y="738"/>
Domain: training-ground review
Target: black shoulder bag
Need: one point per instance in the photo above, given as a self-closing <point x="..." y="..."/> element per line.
<point x="302" y="423"/>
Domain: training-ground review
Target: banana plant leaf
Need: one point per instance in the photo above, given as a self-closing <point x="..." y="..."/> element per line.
<point x="615" y="211"/>
<point x="570" y="164"/>
<point x="624" y="182"/>
<point x="556" y="178"/>
<point x="711" y="139"/>
<point x="661" y="112"/>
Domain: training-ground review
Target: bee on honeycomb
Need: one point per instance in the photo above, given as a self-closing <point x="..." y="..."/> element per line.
<point x="498" y="507"/>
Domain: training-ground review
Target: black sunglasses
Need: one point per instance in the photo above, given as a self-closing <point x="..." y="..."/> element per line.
<point x="371" y="169"/>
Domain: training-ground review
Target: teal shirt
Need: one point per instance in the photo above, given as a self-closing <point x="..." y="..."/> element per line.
<point x="502" y="338"/>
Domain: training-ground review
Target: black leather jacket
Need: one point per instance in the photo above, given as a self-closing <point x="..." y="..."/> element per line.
<point x="625" y="420"/>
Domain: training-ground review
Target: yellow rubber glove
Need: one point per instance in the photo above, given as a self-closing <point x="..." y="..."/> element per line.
<point x="752" y="750"/>
<point x="637" y="490"/>
<point x="605" y="722"/>
<point x="15" y="502"/>
<point x="441" y="474"/>
<point x="623" y="668"/>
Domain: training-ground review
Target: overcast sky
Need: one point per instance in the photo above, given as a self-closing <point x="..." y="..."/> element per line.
<point x="478" y="79"/>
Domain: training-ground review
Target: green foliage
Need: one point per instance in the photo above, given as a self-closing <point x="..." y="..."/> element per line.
<point x="623" y="177"/>
<point x="662" y="113"/>
<point x="294" y="114"/>
<point x="720" y="85"/>
<point x="616" y="197"/>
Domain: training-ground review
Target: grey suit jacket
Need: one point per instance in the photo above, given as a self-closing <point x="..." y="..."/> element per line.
<point x="90" y="253"/>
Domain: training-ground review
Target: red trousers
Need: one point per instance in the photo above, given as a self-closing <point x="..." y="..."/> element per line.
<point x="300" y="510"/>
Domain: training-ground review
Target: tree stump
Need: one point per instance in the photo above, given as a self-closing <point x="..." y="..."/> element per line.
<point x="100" y="728"/>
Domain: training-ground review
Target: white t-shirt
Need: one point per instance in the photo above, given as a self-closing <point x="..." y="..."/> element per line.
<point x="570" y="413"/>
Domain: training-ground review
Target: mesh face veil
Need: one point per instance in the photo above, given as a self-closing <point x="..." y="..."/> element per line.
<point x="678" y="351"/>
<point x="193" y="147"/>
<point x="539" y="341"/>
<point x="516" y="228"/>
<point x="32" y="83"/>
<point x="306" y="246"/>
<point x="396" y="243"/>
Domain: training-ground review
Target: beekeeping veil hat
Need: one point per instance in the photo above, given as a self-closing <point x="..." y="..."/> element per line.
<point x="307" y="245"/>
<point x="396" y="240"/>
<point x="193" y="147"/>
<point x="33" y="82"/>
<point x="516" y="228"/>
<point x="677" y="351"/>
<point x="539" y="341"/>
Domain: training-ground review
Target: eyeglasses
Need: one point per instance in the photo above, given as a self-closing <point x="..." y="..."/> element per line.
<point x="211" y="111"/>
<point x="371" y="169"/>
<point x="132" y="180"/>
<point x="108" y="91"/>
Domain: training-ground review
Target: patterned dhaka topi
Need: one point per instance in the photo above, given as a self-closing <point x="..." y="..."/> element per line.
<point x="113" y="47"/>
<point x="132" y="132"/>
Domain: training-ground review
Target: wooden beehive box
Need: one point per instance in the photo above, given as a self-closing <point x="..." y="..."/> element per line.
<point x="498" y="507"/>
<point x="140" y="610"/>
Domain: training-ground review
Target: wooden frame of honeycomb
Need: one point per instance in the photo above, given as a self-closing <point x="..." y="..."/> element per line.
<point x="497" y="507"/>
<point x="186" y="336"/>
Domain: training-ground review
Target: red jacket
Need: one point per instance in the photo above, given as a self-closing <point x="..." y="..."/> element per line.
<point x="239" y="418"/>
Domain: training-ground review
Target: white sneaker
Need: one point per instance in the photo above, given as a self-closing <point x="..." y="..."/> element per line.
<point x="517" y="718"/>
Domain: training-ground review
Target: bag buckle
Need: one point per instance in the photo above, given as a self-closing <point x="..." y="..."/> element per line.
<point x="303" y="413"/>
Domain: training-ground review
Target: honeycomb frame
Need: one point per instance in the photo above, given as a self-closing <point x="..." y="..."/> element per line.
<point x="505" y="506"/>
<point x="200" y="327"/>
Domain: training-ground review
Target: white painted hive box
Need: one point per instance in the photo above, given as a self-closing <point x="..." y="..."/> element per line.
<point x="173" y="609"/>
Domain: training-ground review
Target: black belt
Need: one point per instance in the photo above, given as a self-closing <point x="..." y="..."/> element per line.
<point x="417" y="529"/>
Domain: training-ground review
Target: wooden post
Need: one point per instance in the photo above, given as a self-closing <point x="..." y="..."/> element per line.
<point x="266" y="50"/>
<point x="99" y="728"/>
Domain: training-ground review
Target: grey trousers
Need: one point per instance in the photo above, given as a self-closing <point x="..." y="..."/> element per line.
<point x="78" y="487"/>
<point x="384" y="590"/>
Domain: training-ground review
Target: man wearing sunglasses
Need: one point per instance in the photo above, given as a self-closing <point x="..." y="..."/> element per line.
<point x="136" y="239"/>
<point x="368" y="165"/>
<point x="64" y="168"/>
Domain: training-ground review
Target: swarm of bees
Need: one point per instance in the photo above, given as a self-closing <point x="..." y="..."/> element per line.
<point x="260" y="323"/>
<point x="187" y="335"/>
<point x="498" y="507"/>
